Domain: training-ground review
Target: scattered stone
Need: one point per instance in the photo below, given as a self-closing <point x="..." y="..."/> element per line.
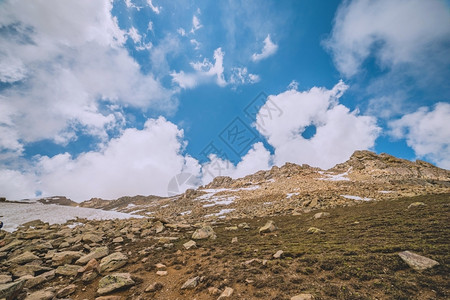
<point x="160" y="266"/>
<point x="159" y="227"/>
<point x="161" y="273"/>
<point x="66" y="257"/>
<point x="91" y="265"/>
<point x="314" y="230"/>
<point x="88" y="276"/>
<point x="67" y="270"/>
<point x="108" y="298"/>
<point x="41" y="295"/>
<point x="269" y="227"/>
<point x="416" y="204"/>
<point x="156" y="286"/>
<point x="11" y="290"/>
<point x="66" y="291"/>
<point x="244" y="226"/>
<point x="191" y="283"/>
<point x="92" y="238"/>
<point x="28" y="269"/>
<point x="213" y="291"/>
<point x="24" y="258"/>
<point x="5" y="279"/>
<point x="234" y="240"/>
<point x="97" y="253"/>
<point x="278" y="254"/>
<point x="226" y="293"/>
<point x="321" y="215"/>
<point x="204" y="233"/>
<point x="190" y="244"/>
<point x="118" y="240"/>
<point x="231" y="228"/>
<point x="303" y="297"/>
<point x="114" y="282"/>
<point x="417" y="262"/>
<point x="44" y="277"/>
<point x="113" y="262"/>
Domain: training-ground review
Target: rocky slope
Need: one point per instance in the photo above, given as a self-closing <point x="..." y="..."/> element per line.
<point x="396" y="249"/>
<point x="292" y="189"/>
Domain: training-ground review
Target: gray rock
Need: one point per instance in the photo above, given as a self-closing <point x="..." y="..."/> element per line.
<point x="321" y="215"/>
<point x="14" y="244"/>
<point x="303" y="297"/>
<point x="44" y="277"/>
<point x="314" y="230"/>
<point x="417" y="262"/>
<point x="92" y="238"/>
<point x="67" y="270"/>
<point x="278" y="254"/>
<point x="226" y="293"/>
<point x="118" y="240"/>
<point x="114" y="282"/>
<point x="5" y="279"/>
<point x="204" y="233"/>
<point x="159" y="227"/>
<point x="11" y="290"/>
<point x="268" y="227"/>
<point x="28" y="269"/>
<point x="416" y="204"/>
<point x="66" y="291"/>
<point x="23" y="258"/>
<point x="96" y="253"/>
<point x="66" y="257"/>
<point x="156" y="286"/>
<point x="41" y="295"/>
<point x="113" y="262"/>
<point x="190" y="244"/>
<point x="191" y="283"/>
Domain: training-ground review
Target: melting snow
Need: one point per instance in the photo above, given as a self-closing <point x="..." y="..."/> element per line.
<point x="188" y="212"/>
<point x="385" y="192"/>
<point x="17" y="214"/>
<point x="356" y="197"/>
<point x="221" y="213"/>
<point x="289" y="195"/>
<point x="337" y="177"/>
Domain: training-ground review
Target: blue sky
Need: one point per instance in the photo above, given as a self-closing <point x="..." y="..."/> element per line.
<point x="112" y="98"/>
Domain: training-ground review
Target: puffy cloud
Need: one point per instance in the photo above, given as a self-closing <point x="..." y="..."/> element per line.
<point x="426" y="132"/>
<point x="339" y="132"/>
<point x="269" y="49"/>
<point x="138" y="162"/>
<point x="17" y="185"/>
<point x="156" y="9"/>
<point x="257" y="158"/>
<point x="67" y="61"/>
<point x="242" y="76"/>
<point x="395" y="32"/>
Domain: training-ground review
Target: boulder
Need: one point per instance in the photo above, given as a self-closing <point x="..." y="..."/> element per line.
<point x="321" y="215"/>
<point x="65" y="257"/>
<point x="191" y="283"/>
<point x="11" y="290"/>
<point x="23" y="258"/>
<point x="96" y="253"/>
<point x="314" y="230"/>
<point x="113" y="262"/>
<point x="156" y="286"/>
<point x="66" y="291"/>
<point x="302" y="297"/>
<point x="67" y="270"/>
<point x="92" y="238"/>
<point x="278" y="254"/>
<point x="416" y="204"/>
<point x="416" y="261"/>
<point x="268" y="227"/>
<point x="114" y="282"/>
<point x="190" y="244"/>
<point x="204" y="233"/>
<point x="5" y="279"/>
<point x="41" y="295"/>
<point x="226" y="293"/>
<point x="91" y="265"/>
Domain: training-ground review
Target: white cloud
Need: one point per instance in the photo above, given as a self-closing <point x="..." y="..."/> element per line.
<point x="339" y="132"/>
<point x="150" y="26"/>
<point x="195" y="43"/>
<point x="15" y="185"/>
<point x="206" y="72"/>
<point x="395" y="32"/>
<point x="134" y="35"/>
<point x="269" y="49"/>
<point x="196" y="25"/>
<point x="73" y="59"/>
<point x="427" y="133"/>
<point x="181" y="31"/>
<point x="156" y="9"/>
<point x="258" y="158"/>
<point x="138" y="162"/>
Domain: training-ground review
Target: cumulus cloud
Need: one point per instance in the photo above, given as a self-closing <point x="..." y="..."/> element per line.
<point x="67" y="61"/>
<point x="395" y="32"/>
<point x="137" y="162"/>
<point x="339" y="131"/>
<point x="257" y="158"/>
<point x="427" y="132"/>
<point x="269" y="49"/>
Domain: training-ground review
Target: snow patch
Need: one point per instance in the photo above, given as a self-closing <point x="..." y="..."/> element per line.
<point x="16" y="214"/>
<point x="336" y="177"/>
<point x="188" y="212"/>
<point x="289" y="195"/>
<point x="221" y="213"/>
<point x="356" y="198"/>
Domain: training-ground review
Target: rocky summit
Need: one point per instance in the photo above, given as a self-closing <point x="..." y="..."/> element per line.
<point x="374" y="227"/>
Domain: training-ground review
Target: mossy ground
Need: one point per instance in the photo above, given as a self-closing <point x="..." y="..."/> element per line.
<point x="356" y="257"/>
